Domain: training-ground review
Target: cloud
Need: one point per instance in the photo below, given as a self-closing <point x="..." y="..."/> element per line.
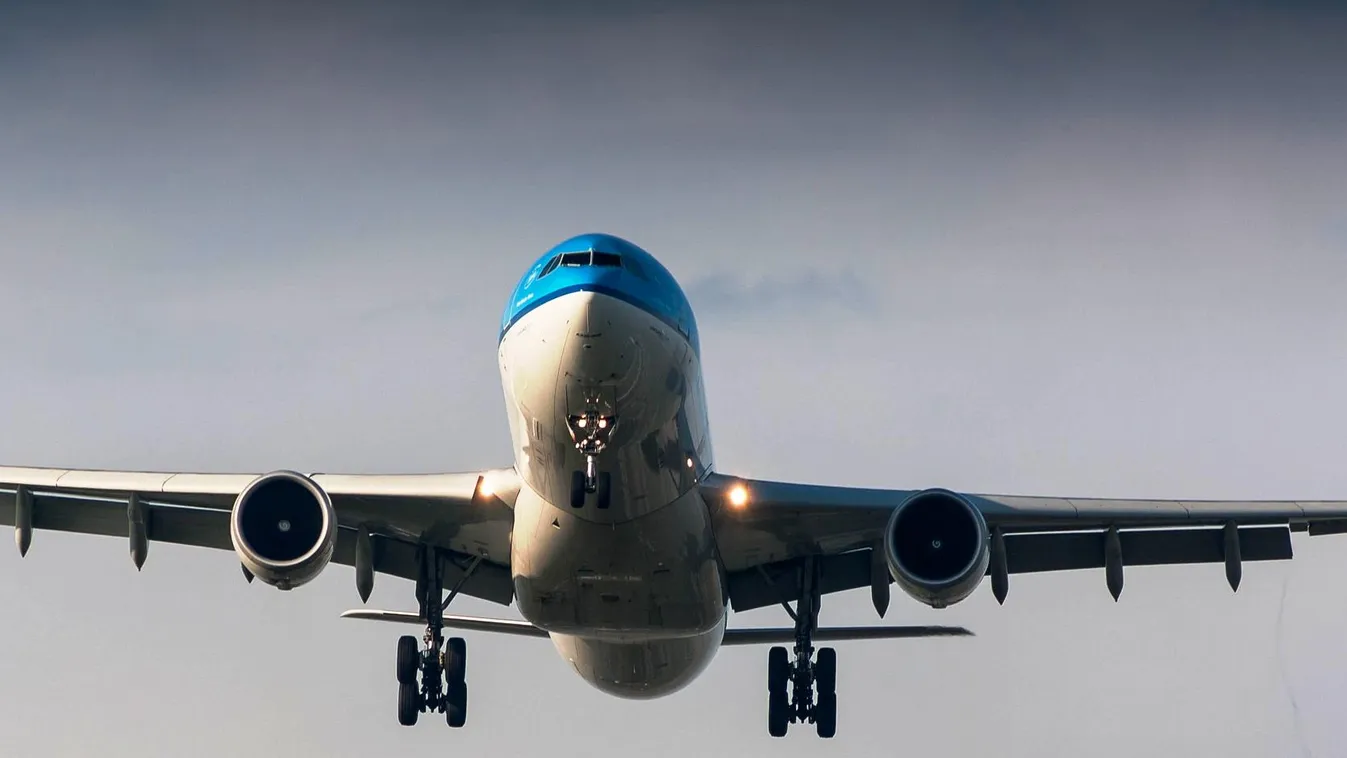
<point x="734" y="295"/>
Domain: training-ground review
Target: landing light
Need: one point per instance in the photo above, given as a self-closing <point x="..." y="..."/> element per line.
<point x="739" y="496"/>
<point x="484" y="489"/>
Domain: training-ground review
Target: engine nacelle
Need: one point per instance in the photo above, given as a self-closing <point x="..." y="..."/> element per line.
<point x="284" y="529"/>
<point x="936" y="547"/>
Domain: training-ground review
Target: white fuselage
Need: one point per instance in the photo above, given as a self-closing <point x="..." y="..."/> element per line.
<point x="633" y="594"/>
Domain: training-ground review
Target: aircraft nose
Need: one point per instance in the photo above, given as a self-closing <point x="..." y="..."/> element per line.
<point x="577" y="310"/>
<point x="596" y="349"/>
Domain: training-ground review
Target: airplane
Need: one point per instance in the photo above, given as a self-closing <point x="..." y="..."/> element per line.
<point x="613" y="532"/>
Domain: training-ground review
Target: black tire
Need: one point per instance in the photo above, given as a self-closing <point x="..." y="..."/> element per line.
<point x="825" y="670"/>
<point x="825" y="715"/>
<point x="778" y="713"/>
<point x="409" y="704"/>
<point x="604" y="492"/>
<point x="455" y="660"/>
<point x="778" y="669"/>
<point x="577" y="489"/>
<point x="456" y="705"/>
<point x="409" y="659"/>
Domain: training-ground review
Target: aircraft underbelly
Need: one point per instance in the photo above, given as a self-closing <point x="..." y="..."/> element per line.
<point x="640" y="670"/>
<point x="651" y="578"/>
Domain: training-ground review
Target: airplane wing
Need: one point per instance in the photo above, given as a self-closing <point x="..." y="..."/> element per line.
<point x="765" y="528"/>
<point x="466" y="515"/>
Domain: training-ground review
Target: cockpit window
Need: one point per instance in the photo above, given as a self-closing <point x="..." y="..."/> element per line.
<point x="550" y="267"/>
<point x="590" y="258"/>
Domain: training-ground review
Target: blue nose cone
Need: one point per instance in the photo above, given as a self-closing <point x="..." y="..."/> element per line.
<point x="607" y="265"/>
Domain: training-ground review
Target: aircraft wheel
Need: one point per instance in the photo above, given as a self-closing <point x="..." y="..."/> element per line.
<point x="577" y="489"/>
<point x="409" y="659"/>
<point x="455" y="660"/>
<point x="778" y="713"/>
<point x="778" y="669"/>
<point x="605" y="489"/>
<point x="825" y="670"/>
<point x="409" y="704"/>
<point x="825" y="715"/>
<point x="456" y="705"/>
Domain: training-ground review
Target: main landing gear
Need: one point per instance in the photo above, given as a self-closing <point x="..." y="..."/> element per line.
<point x="441" y="664"/>
<point x="792" y="686"/>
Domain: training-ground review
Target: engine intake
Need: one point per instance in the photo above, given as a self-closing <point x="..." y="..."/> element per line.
<point x="936" y="547"/>
<point x="284" y="529"/>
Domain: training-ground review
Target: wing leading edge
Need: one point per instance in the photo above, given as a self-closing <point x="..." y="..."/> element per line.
<point x="465" y="515"/>
<point x="765" y="528"/>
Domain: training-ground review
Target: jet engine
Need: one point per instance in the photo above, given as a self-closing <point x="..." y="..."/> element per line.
<point x="284" y="529"/>
<point x="936" y="547"/>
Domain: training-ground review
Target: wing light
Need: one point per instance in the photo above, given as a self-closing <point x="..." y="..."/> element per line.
<point x="738" y="496"/>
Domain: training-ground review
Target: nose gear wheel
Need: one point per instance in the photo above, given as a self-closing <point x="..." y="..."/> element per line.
<point x="591" y="432"/>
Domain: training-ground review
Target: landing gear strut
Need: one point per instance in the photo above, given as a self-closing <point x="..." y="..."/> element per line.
<point x="441" y="664"/>
<point x="793" y="685"/>
<point x="590" y="431"/>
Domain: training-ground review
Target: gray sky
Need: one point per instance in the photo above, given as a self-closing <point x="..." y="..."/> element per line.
<point x="1054" y="251"/>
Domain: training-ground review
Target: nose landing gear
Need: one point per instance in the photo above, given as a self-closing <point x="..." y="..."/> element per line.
<point x="591" y="432"/>
<point x="793" y="685"/>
